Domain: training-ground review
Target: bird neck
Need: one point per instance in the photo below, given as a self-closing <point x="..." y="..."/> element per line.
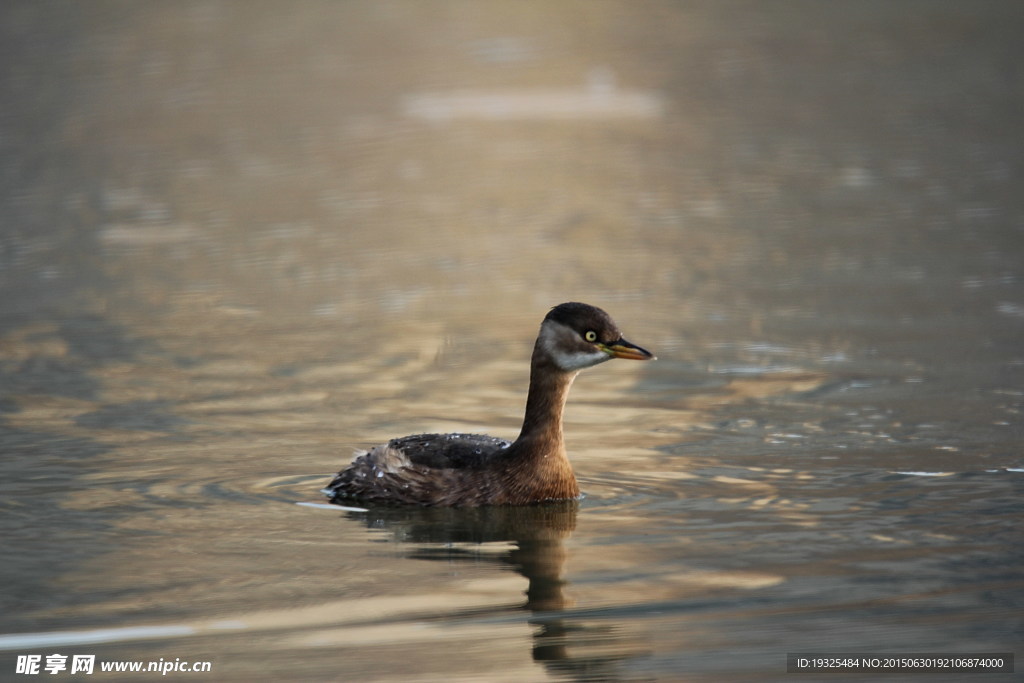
<point x="542" y="425"/>
<point x="537" y="465"/>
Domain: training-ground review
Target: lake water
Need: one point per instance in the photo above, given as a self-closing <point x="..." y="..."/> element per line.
<point x="241" y="240"/>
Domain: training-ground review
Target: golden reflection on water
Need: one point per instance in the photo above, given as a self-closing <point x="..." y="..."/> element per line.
<point x="203" y="438"/>
<point x="240" y="245"/>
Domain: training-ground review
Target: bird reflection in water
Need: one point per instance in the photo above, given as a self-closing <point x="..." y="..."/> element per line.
<point x="562" y="642"/>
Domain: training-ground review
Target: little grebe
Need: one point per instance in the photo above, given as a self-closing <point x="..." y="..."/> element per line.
<point x="469" y="469"/>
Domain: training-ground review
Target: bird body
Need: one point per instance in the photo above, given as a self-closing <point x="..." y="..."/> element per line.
<point x="469" y="470"/>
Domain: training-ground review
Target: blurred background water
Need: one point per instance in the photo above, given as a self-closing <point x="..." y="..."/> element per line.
<point x="239" y="240"/>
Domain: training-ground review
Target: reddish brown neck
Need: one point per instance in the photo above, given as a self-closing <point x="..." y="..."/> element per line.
<point x="538" y="467"/>
<point x="542" y="425"/>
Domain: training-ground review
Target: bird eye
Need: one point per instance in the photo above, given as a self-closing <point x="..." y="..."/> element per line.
<point x="590" y="336"/>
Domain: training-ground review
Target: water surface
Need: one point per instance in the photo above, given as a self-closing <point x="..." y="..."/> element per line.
<point x="240" y="242"/>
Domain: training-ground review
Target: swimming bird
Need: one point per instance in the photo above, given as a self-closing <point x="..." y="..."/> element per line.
<point x="469" y="470"/>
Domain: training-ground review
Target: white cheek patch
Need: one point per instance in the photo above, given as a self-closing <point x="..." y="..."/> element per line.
<point x="570" y="361"/>
<point x="577" y="361"/>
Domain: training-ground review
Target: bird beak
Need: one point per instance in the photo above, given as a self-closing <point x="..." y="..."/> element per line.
<point x="624" y="349"/>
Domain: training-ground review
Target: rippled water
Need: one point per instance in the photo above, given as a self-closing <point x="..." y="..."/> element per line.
<point x="240" y="242"/>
